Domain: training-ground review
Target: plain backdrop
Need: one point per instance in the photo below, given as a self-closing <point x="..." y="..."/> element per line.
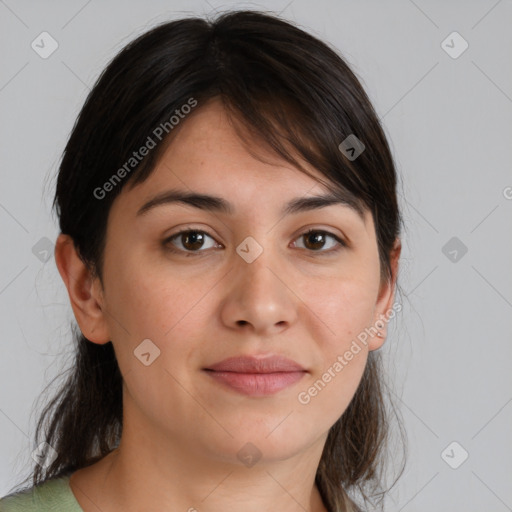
<point x="447" y="111"/>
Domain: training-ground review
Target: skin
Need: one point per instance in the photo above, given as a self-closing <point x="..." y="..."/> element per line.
<point x="182" y="431"/>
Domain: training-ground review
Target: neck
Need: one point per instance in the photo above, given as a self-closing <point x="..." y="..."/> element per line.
<point x="150" y="470"/>
<point x="131" y="478"/>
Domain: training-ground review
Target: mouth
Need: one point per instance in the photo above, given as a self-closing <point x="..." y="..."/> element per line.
<point x="254" y="376"/>
<point x="257" y="384"/>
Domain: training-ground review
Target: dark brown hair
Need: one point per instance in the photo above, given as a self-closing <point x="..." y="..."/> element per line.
<point x="298" y="97"/>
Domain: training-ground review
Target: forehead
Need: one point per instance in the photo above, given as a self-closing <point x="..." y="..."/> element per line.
<point x="205" y="155"/>
<point x="218" y="145"/>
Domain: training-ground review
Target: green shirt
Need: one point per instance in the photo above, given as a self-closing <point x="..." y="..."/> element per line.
<point x="54" y="495"/>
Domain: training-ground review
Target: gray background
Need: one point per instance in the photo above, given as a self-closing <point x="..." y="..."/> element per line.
<point x="449" y="124"/>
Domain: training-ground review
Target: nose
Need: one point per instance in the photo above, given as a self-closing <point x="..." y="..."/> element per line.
<point x="259" y="299"/>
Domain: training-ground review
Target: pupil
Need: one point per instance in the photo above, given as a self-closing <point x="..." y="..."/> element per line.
<point x="317" y="239"/>
<point x="192" y="239"/>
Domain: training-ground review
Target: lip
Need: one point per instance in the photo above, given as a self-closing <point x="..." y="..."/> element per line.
<point x="256" y="376"/>
<point x="253" y="364"/>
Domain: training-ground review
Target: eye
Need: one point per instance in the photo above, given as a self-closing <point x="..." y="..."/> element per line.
<point x="190" y="240"/>
<point x="315" y="240"/>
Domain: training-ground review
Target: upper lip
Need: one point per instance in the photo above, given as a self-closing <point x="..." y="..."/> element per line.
<point x="252" y="364"/>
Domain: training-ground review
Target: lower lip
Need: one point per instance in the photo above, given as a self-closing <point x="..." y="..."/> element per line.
<point x="257" y="384"/>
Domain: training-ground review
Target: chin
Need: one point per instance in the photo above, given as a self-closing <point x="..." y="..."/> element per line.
<point x="255" y="440"/>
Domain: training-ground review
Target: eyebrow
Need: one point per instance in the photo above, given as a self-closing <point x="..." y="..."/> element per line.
<point x="220" y="205"/>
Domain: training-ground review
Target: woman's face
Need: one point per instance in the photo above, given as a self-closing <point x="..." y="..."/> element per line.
<point x="245" y="283"/>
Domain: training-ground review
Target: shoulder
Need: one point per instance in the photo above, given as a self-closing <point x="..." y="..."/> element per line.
<point x="53" y="496"/>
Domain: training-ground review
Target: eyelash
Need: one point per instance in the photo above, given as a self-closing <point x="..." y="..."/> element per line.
<point x="168" y="246"/>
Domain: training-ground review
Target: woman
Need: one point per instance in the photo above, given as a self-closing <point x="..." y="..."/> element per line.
<point x="230" y="244"/>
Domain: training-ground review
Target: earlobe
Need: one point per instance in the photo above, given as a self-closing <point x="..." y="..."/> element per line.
<point x="84" y="291"/>
<point x="384" y="309"/>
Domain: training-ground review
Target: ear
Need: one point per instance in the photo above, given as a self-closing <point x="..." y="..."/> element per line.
<point x="385" y="300"/>
<point x="85" y="292"/>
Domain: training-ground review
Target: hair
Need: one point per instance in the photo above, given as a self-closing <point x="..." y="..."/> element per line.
<point x="297" y="97"/>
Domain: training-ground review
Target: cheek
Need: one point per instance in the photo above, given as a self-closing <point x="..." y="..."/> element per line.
<point x="342" y="356"/>
<point x="172" y="310"/>
<point x="147" y="304"/>
<point x="167" y="312"/>
<point x="343" y="311"/>
<point x="343" y="307"/>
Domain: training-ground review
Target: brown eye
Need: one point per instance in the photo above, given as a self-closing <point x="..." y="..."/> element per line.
<point x="192" y="240"/>
<point x="316" y="240"/>
<point x="189" y="241"/>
